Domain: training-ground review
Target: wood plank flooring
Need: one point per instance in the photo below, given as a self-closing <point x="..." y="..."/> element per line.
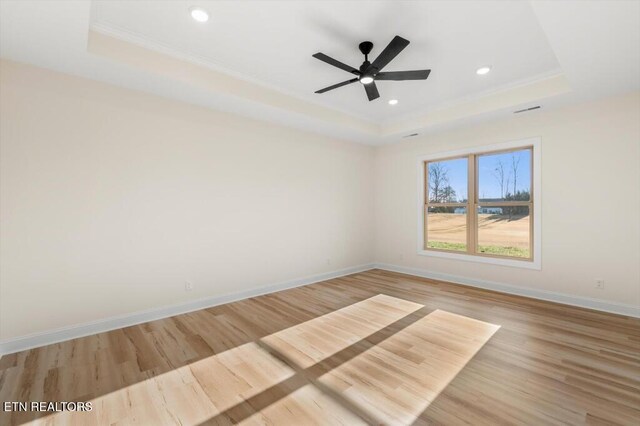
<point x="372" y="348"/>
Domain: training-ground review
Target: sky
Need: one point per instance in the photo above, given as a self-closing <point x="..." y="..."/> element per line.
<point x="488" y="183"/>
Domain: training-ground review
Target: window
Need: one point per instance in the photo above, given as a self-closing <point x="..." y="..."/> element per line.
<point x="480" y="205"/>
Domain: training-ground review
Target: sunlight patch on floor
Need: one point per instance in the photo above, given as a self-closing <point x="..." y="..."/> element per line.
<point x="188" y="394"/>
<point x="396" y="380"/>
<point x="388" y="361"/>
<point x="313" y="341"/>
<point x="307" y="405"/>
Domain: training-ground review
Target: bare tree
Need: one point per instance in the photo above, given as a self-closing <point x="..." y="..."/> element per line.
<point x="438" y="181"/>
<point x="499" y="174"/>
<point x="509" y="209"/>
<point x="515" y="163"/>
<point x="448" y="195"/>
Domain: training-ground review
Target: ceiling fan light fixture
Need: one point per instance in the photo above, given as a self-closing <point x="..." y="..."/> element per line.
<point x="366" y="79"/>
<point x="393" y="102"/>
<point x="483" y="70"/>
<point x="199" y="14"/>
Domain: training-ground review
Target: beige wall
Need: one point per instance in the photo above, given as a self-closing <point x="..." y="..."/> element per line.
<point x="111" y="199"/>
<point x="590" y="199"/>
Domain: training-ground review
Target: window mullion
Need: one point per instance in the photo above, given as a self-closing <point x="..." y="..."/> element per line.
<point x="425" y="208"/>
<point x="471" y="200"/>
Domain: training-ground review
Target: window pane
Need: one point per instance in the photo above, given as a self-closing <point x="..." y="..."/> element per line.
<point x="447" y="228"/>
<point x="448" y="181"/>
<point x="504" y="176"/>
<point x="504" y="231"/>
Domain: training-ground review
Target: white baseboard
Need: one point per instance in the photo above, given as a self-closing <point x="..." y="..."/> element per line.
<point x="582" y="302"/>
<point x="81" y="330"/>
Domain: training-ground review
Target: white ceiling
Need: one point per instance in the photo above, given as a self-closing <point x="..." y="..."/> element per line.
<point x="272" y="42"/>
<point x="541" y="51"/>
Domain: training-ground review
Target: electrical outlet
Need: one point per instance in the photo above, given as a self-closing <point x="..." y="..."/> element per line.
<point x="600" y="284"/>
<point x="328" y="261"/>
<point x="188" y="286"/>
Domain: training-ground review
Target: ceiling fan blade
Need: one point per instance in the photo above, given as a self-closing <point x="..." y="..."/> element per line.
<point x="372" y="90"/>
<point x="391" y="51"/>
<point x="335" y="86"/>
<point x="404" y="75"/>
<point x="329" y="60"/>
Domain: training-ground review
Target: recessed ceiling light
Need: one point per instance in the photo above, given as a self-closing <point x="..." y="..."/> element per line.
<point x="393" y="102"/>
<point x="483" y="70"/>
<point x="199" y="14"/>
<point x="366" y="79"/>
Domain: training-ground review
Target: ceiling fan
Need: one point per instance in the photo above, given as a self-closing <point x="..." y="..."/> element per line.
<point x="369" y="72"/>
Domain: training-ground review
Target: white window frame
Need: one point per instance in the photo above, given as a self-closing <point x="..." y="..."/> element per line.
<point x="536" y="262"/>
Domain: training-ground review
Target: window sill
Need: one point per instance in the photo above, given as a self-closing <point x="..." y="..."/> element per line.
<point x="523" y="264"/>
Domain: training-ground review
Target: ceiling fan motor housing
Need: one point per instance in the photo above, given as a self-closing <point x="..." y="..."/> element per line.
<point x="365" y="47"/>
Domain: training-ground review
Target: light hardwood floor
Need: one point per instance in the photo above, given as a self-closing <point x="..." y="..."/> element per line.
<point x="371" y="348"/>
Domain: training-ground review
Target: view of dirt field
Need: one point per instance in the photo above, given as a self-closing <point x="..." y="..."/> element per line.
<point x="496" y="233"/>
